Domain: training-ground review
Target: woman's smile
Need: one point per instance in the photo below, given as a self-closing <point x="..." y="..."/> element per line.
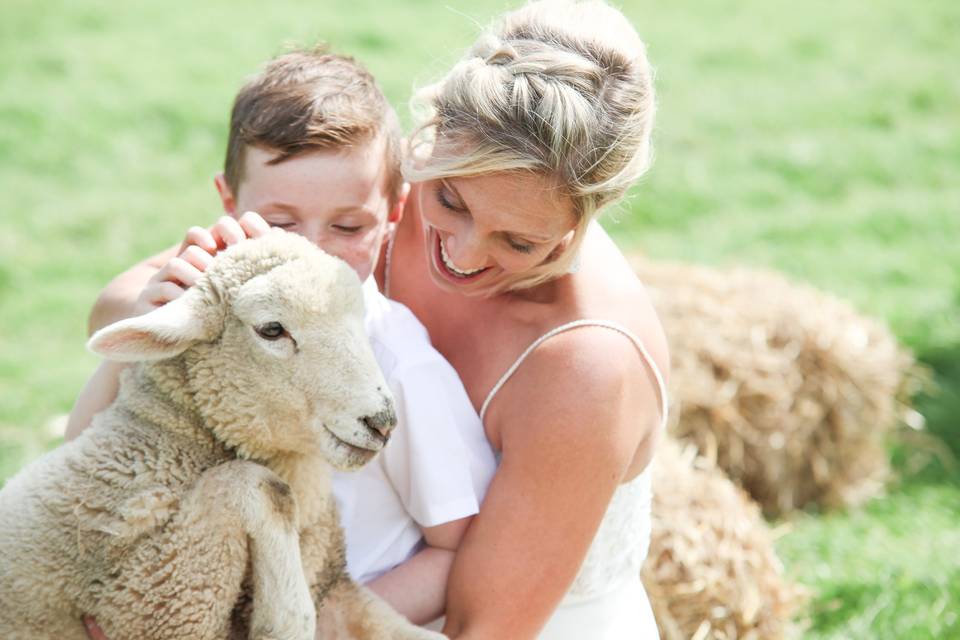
<point x="443" y="264"/>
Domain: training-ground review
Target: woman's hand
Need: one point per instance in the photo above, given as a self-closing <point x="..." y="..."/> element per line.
<point x="194" y="255"/>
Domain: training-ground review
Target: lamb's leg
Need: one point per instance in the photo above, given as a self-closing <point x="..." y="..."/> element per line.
<point x="55" y="628"/>
<point x="282" y="604"/>
<point x="184" y="580"/>
<point x="352" y="612"/>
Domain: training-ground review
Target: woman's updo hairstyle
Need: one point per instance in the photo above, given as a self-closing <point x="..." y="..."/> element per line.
<point x="558" y="87"/>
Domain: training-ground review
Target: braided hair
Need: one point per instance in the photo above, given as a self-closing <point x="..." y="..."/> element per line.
<point x="558" y="87"/>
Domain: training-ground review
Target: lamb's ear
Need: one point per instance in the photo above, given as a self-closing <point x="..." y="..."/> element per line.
<point x="162" y="333"/>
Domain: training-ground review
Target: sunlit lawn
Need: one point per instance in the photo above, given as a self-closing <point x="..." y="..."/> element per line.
<point x="819" y="138"/>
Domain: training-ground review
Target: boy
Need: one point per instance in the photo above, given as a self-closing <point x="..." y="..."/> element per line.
<point x="314" y="148"/>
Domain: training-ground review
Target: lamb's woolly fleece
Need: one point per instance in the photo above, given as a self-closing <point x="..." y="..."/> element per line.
<point x="206" y="481"/>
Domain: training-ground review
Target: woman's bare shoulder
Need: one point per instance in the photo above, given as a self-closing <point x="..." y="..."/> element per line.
<point x="584" y="392"/>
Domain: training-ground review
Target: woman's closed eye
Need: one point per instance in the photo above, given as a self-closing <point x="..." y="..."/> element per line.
<point x="447" y="202"/>
<point x="519" y="245"/>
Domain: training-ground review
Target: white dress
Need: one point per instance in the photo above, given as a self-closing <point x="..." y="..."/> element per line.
<point x="607" y="600"/>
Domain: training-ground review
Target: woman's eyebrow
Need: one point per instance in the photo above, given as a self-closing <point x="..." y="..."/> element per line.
<point x="523" y="235"/>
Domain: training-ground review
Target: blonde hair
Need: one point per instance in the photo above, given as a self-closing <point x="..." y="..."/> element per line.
<point x="559" y="87"/>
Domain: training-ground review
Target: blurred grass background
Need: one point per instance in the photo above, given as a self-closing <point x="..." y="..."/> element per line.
<point x="818" y="138"/>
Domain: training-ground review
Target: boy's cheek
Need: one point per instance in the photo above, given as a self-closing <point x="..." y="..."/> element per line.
<point x="361" y="254"/>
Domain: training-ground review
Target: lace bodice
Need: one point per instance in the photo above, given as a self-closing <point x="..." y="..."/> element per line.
<point x="620" y="546"/>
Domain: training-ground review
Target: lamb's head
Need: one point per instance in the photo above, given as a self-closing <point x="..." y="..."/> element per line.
<point x="272" y="347"/>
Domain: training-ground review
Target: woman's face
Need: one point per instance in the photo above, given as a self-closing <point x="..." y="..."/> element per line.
<point x="481" y="231"/>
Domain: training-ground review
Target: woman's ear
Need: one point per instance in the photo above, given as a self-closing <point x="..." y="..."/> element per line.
<point x="227" y="198"/>
<point x="561" y="246"/>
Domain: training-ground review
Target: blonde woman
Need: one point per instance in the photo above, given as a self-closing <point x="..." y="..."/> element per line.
<point x="543" y="123"/>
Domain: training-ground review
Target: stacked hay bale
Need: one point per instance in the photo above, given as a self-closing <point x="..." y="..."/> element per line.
<point x="791" y="391"/>
<point x="712" y="571"/>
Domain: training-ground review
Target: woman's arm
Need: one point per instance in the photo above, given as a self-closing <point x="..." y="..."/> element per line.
<point x="417" y="588"/>
<point x="572" y="422"/>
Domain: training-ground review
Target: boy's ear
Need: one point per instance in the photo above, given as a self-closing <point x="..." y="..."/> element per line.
<point x="396" y="213"/>
<point x="227" y="198"/>
<point x="162" y="333"/>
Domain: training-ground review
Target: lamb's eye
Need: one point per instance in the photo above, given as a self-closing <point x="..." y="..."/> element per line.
<point x="271" y="331"/>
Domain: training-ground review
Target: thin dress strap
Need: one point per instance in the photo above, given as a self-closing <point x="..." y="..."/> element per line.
<point x="661" y="385"/>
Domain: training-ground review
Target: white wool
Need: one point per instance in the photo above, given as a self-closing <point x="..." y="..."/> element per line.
<point x="214" y="458"/>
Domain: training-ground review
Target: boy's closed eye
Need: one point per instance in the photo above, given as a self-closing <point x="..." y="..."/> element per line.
<point x="348" y="228"/>
<point x="279" y="220"/>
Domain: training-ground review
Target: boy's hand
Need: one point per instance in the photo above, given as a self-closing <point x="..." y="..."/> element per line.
<point x="94" y="632"/>
<point x="197" y="250"/>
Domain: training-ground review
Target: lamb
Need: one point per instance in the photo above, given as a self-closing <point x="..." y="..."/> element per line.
<point x="198" y="505"/>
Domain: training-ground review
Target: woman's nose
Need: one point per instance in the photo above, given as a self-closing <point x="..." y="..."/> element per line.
<point x="465" y="251"/>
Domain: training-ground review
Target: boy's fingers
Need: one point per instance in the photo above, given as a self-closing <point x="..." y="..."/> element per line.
<point x="93" y="629"/>
<point x="227" y="232"/>
<point x="254" y="225"/>
<point x="181" y="271"/>
<point x="196" y="257"/>
<point x="199" y="237"/>
<point x="160" y="293"/>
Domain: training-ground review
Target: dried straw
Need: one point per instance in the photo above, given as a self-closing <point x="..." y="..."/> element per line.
<point x="791" y="391"/>
<point x="712" y="571"/>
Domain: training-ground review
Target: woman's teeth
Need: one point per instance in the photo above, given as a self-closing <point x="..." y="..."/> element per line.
<point x="448" y="263"/>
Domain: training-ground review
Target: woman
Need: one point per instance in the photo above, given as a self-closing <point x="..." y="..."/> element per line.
<point x="545" y="121"/>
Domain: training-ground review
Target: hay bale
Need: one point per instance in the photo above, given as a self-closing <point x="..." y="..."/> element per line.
<point x="712" y="571"/>
<point x="791" y="391"/>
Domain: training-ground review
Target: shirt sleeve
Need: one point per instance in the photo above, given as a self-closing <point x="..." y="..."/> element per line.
<point x="438" y="459"/>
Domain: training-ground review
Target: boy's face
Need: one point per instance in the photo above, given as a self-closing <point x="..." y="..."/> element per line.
<point x="338" y="199"/>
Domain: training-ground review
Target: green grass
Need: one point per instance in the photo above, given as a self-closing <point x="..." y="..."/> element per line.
<point x="818" y="138"/>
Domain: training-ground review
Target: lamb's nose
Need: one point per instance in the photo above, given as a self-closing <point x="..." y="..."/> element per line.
<point x="382" y="422"/>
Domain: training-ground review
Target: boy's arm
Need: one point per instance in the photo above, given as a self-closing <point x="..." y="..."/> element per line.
<point x="164" y="277"/>
<point x="119" y="299"/>
<point x="99" y="392"/>
<point x="417" y="588"/>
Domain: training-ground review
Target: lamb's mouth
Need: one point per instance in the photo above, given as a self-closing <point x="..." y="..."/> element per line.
<point x="353" y="448"/>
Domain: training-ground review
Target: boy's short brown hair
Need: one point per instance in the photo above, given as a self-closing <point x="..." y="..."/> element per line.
<point x="308" y="100"/>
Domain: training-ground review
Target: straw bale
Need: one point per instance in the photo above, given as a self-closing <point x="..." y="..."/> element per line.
<point x="712" y="571"/>
<point x="790" y="390"/>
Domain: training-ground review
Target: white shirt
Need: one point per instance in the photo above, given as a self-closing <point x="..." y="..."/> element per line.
<point x="437" y="464"/>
